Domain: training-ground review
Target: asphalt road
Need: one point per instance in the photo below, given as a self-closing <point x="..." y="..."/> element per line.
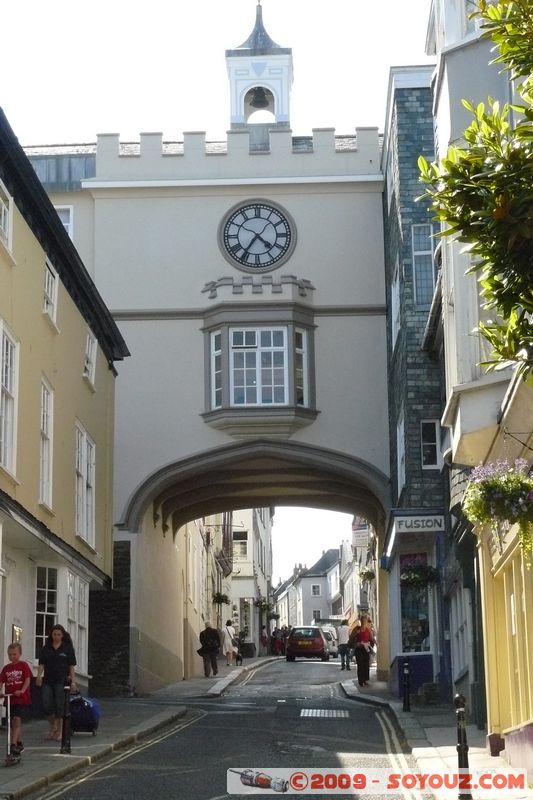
<point x="285" y="715"/>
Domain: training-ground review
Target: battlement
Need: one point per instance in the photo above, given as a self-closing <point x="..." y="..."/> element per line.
<point x="242" y="156"/>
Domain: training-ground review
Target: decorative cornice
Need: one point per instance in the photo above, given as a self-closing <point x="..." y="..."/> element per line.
<point x="257" y="284"/>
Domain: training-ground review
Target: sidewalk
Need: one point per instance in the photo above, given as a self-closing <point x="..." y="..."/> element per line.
<point x="431" y="733"/>
<point x="124" y="721"/>
<point x="429" y="730"/>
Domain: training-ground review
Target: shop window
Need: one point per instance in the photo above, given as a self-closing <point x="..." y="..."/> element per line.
<point x="414" y="603"/>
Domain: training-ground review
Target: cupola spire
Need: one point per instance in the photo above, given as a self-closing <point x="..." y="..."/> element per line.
<point x="260" y="73"/>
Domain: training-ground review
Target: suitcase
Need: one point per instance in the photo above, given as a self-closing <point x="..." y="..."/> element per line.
<point x="84" y="714"/>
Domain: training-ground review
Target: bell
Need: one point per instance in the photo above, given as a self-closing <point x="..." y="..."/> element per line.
<point x="259" y="98"/>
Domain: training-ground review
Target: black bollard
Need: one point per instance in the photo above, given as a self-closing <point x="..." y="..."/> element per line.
<point x="65" y="731"/>
<point x="406" y="687"/>
<point x="459" y="702"/>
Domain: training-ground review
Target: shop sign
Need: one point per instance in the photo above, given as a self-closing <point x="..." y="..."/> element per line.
<point x="431" y="523"/>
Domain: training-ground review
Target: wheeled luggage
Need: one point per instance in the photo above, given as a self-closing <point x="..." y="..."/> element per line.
<point x="84" y="714"/>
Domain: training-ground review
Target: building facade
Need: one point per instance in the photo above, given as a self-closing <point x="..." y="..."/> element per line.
<point x="488" y="416"/>
<point x="234" y="269"/>
<point x="59" y="345"/>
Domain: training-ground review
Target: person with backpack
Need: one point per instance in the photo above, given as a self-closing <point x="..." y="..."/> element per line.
<point x="210" y="641"/>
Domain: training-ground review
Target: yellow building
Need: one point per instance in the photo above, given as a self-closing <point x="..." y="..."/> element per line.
<point x="57" y="383"/>
<point x="507" y="597"/>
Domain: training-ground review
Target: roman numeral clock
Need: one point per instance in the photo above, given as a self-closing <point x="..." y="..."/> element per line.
<point x="257" y="236"/>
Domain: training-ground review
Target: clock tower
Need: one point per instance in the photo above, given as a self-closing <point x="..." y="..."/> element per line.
<point x="260" y="74"/>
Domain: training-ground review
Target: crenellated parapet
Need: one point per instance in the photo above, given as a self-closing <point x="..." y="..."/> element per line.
<point x="276" y="155"/>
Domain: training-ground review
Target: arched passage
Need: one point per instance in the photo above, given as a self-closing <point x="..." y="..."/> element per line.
<point x="255" y="473"/>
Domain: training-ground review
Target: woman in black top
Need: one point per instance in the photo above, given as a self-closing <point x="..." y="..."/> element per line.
<point x="56" y="666"/>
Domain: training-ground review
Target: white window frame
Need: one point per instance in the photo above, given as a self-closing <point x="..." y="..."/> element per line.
<point x="400" y="452"/>
<point x="317" y="614"/>
<point x="301" y="368"/>
<point x="253" y="351"/>
<point x="85" y="453"/>
<point x="78" y="617"/>
<point x="89" y="366"/>
<point x="240" y="545"/>
<point x="46" y="444"/>
<point x="9" y="376"/>
<point x="49" y="600"/>
<point x="67" y="223"/>
<point x="51" y="282"/>
<point x="395" y="305"/>
<point x="314" y="593"/>
<point x="417" y="255"/>
<point x="6" y="217"/>
<point x="216" y="369"/>
<point x="438" y="456"/>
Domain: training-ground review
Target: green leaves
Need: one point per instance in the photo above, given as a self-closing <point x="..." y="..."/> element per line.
<point x="483" y="192"/>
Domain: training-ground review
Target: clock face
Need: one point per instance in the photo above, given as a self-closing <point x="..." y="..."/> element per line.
<point x="257" y="236"/>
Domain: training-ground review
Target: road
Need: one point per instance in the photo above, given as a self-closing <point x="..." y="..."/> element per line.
<point x="284" y="715"/>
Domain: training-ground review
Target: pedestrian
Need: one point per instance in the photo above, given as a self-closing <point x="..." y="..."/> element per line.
<point x="56" y="666"/>
<point x="343" y="634"/>
<point x="230" y="643"/>
<point x="264" y="641"/>
<point x="210" y="641"/>
<point x="16" y="678"/>
<point x="363" y="646"/>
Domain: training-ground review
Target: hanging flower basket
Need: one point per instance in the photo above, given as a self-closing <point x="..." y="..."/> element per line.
<point x="366" y="575"/>
<point x="419" y="575"/>
<point x="272" y="616"/>
<point x="221" y="599"/>
<point x="263" y="605"/>
<point x="502" y="493"/>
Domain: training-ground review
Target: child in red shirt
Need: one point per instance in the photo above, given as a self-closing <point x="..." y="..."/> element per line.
<point x="16" y="677"/>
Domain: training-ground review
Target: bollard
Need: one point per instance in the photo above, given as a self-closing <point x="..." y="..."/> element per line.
<point x="406" y="687"/>
<point x="65" y="730"/>
<point x="459" y="702"/>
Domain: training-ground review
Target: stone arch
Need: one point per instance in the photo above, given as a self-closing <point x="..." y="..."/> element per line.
<point x="258" y="473"/>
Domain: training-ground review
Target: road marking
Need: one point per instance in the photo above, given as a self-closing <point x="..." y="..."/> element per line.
<point x="122" y="757"/>
<point x="323" y="712"/>
<point x="394" y="752"/>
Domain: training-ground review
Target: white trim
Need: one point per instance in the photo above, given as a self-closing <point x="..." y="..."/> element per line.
<point x="155" y="184"/>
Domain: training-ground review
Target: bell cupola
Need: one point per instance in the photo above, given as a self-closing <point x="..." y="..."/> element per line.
<point x="260" y="75"/>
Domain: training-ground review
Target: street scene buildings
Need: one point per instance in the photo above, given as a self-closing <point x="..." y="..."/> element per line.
<point x="290" y="331"/>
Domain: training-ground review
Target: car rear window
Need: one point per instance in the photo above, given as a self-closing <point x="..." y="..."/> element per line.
<point x="305" y="633"/>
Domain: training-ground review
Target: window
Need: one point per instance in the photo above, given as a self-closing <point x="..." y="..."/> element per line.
<point x="240" y="545"/>
<point x="315" y="590"/>
<point x="6" y="221"/>
<point x="89" y="367"/>
<point x="395" y="305"/>
<point x="216" y="366"/>
<point x="262" y="367"/>
<point x="45" y="489"/>
<point x="414" y="601"/>
<point x="50" y="291"/>
<point x="78" y="616"/>
<point x="45" y="605"/>
<point x="429" y="443"/>
<point x="317" y="615"/>
<point x="423" y="265"/>
<point x="8" y="390"/>
<point x="85" y="467"/>
<point x="258" y="365"/>
<point x="400" y="453"/>
<point x="65" y="214"/>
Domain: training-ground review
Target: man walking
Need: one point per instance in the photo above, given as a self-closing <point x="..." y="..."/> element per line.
<point x="210" y="641"/>
<point x="344" y="650"/>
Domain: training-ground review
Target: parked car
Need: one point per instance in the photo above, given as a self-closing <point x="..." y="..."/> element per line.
<point x="332" y="643"/>
<point x="307" y="641"/>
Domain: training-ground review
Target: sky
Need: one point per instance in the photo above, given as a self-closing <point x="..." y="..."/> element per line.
<point x="73" y="70"/>
<point x="299" y="535"/>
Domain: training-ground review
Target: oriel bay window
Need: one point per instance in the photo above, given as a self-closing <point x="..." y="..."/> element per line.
<point x="260" y="372"/>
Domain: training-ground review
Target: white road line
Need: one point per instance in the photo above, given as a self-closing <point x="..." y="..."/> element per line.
<point x="122" y="757"/>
